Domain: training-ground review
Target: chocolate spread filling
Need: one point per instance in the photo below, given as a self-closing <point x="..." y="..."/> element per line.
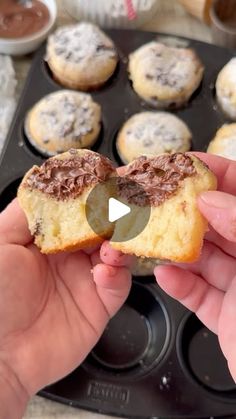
<point x="150" y="181"/>
<point x="21" y="18"/>
<point x="67" y="178"/>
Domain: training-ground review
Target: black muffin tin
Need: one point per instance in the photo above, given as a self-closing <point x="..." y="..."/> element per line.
<point x="155" y="359"/>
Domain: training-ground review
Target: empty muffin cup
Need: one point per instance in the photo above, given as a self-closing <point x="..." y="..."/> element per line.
<point x="202" y="358"/>
<point x="136" y="338"/>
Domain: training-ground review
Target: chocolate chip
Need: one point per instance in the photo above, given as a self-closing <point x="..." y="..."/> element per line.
<point x="66" y="129"/>
<point x="64" y="40"/>
<point x="103" y="47"/>
<point x="165" y="80"/>
<point x="51" y="113"/>
<point x="172" y="139"/>
<point x="147" y="143"/>
<point x="59" y="51"/>
<point x="172" y="105"/>
<point x="149" y="76"/>
<point x="37" y="227"/>
<point x="70" y="107"/>
<point x="46" y="141"/>
<point x="68" y="55"/>
<point x="100" y="48"/>
<point x="183" y="206"/>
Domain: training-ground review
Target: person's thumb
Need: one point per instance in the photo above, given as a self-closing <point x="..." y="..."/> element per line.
<point x="219" y="209"/>
<point x="113" y="286"/>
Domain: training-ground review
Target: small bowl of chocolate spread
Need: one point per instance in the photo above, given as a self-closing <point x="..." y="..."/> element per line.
<point x="25" y="24"/>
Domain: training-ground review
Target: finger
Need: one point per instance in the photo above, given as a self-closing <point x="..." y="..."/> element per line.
<point x="209" y="267"/>
<point x="74" y="268"/>
<point x="20" y="302"/>
<point x="219" y="209"/>
<point x="113" y="286"/>
<point x="90" y="250"/>
<point x="215" y="238"/>
<point x="224" y="170"/>
<point x="114" y="257"/>
<point x="95" y="258"/>
<point x="193" y="292"/>
<point x="13" y="225"/>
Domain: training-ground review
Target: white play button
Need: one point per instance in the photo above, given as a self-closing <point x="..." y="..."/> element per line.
<point x="106" y="208"/>
<point x="116" y="210"/>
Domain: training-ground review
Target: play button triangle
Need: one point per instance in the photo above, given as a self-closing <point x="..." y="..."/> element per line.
<point x="117" y="210"/>
<point x="108" y="209"/>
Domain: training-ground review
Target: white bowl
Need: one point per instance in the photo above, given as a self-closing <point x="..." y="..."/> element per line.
<point x="27" y="44"/>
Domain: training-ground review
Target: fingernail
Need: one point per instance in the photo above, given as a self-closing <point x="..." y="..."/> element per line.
<point x="156" y="269"/>
<point x="112" y="271"/>
<point x="215" y="199"/>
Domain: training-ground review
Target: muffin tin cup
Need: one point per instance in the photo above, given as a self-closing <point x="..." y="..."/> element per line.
<point x="132" y="343"/>
<point x="146" y="364"/>
<point x="202" y="359"/>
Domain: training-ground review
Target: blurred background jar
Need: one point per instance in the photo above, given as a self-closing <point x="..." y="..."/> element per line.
<point x="198" y="8"/>
<point x="113" y="13"/>
<point x="220" y="14"/>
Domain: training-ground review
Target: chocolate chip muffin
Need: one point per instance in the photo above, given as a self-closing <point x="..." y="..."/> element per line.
<point x="165" y="76"/>
<point x="224" y="142"/>
<point x="176" y="227"/>
<point x="63" y="120"/>
<point x="152" y="133"/>
<point x="54" y="196"/>
<point x="81" y="56"/>
<point x="226" y="89"/>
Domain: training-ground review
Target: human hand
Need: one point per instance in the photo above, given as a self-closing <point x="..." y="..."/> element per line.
<point x="53" y="308"/>
<point x="208" y="287"/>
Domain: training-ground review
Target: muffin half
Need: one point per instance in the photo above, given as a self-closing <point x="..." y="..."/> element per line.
<point x="176" y="228"/>
<point x="54" y="197"/>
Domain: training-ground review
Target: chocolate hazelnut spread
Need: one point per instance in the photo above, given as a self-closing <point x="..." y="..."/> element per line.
<point x="158" y="177"/>
<point x="18" y="20"/>
<point x="67" y="178"/>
